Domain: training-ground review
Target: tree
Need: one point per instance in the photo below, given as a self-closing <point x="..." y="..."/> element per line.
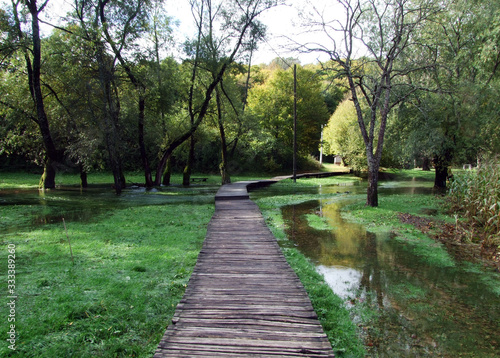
<point x="342" y="136"/>
<point x="384" y="30"/>
<point x="29" y="44"/>
<point x="272" y="104"/>
<point x="121" y="32"/>
<point x="116" y="25"/>
<point x="446" y="125"/>
<point x="224" y="29"/>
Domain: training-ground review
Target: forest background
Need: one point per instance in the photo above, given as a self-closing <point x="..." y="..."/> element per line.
<point x="99" y="91"/>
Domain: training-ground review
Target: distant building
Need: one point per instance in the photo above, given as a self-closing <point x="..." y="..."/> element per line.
<point x="337" y="160"/>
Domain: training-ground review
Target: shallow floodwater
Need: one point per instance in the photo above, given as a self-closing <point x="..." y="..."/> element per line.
<point x="76" y="204"/>
<point x="404" y="304"/>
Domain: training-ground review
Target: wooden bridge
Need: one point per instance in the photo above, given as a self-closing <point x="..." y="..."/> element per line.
<point x="243" y="299"/>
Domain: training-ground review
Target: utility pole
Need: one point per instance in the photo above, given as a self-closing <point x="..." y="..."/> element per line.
<point x="295" y="123"/>
<point x="321" y="146"/>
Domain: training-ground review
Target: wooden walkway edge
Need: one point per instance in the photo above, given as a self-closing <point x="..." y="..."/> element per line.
<point x="243" y="299"/>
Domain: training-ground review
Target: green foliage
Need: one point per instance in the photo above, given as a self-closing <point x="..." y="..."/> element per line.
<point x="271" y="103"/>
<point x="476" y="195"/>
<point x="453" y="123"/>
<point x="343" y="137"/>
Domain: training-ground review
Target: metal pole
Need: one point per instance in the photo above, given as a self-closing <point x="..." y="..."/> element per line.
<point x="295" y="123"/>
<point x="321" y="148"/>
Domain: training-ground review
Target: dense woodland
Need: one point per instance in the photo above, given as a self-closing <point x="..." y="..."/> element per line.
<point x="99" y="92"/>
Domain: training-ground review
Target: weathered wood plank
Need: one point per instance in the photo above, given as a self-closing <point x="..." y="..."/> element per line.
<point x="243" y="299"/>
<point x="188" y="351"/>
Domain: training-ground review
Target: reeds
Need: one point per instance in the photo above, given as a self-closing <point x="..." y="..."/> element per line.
<point x="476" y="195"/>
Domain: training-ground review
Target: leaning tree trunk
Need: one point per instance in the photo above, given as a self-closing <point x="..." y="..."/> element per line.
<point x="168" y="172"/>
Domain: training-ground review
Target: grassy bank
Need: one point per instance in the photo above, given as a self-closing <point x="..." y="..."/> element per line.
<point x="131" y="267"/>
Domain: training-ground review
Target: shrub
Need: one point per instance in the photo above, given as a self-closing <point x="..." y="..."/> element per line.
<point x="476" y="195"/>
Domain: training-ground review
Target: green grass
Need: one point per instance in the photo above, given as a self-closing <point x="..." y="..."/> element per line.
<point x="132" y="266"/>
<point x="131" y="269"/>
<point x="345" y="179"/>
<point x="318" y="222"/>
<point x="24" y="180"/>
<point x="411" y="174"/>
<point x="332" y="313"/>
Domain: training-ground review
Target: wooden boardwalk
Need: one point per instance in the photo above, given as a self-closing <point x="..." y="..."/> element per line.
<point x="243" y="299"/>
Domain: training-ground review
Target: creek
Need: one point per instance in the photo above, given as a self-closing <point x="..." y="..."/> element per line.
<point x="403" y="304"/>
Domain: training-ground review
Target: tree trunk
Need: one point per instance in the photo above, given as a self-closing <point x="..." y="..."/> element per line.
<point x="115" y="169"/>
<point x="168" y="172"/>
<point x="83" y="177"/>
<point x="372" y="192"/>
<point x="142" y="146"/>
<point x="186" y="175"/>
<point x="441" y="167"/>
<point x="48" y="179"/>
<point x="226" y="179"/>
<point x="122" y="175"/>
<point x="426" y="164"/>
<point x="111" y="114"/>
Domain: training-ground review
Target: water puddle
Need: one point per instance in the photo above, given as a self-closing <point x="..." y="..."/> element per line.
<point x="76" y="204"/>
<point x="404" y="305"/>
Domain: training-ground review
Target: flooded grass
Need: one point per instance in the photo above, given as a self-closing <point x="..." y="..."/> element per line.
<point x="396" y="290"/>
<point x="406" y="292"/>
<point x="331" y="311"/>
<point x="132" y="261"/>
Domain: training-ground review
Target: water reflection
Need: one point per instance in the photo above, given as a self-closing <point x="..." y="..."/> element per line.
<point x="76" y="204"/>
<point x="422" y="310"/>
<point x="344" y="279"/>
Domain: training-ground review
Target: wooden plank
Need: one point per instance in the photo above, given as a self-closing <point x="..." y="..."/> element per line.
<point x="243" y="299"/>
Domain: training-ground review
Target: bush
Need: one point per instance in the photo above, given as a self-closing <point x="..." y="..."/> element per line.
<point x="476" y="195"/>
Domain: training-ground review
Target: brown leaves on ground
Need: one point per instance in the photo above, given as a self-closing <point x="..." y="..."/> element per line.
<point x="463" y="241"/>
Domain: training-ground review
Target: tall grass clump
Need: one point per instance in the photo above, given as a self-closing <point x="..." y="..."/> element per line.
<point x="476" y="195"/>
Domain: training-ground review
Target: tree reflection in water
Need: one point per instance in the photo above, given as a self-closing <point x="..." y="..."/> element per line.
<point x="423" y="309"/>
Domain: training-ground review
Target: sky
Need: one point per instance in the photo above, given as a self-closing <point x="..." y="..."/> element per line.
<point x="281" y="22"/>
